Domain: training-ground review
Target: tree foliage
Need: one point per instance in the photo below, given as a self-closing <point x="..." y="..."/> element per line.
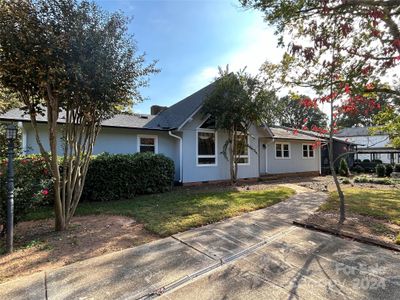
<point x="237" y="102"/>
<point x="295" y="115"/>
<point x="74" y="63"/>
<point x="362" y="115"/>
<point x="344" y="50"/>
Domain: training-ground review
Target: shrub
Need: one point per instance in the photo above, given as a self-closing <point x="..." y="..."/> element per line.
<point x="358" y="169"/>
<point x="388" y="170"/>
<point x="380" y="170"/>
<point x="346" y="181"/>
<point x="366" y="160"/>
<point x="357" y="161"/>
<point x="377" y="161"/>
<point x="365" y="179"/>
<point x="114" y="177"/>
<point x="397" y="168"/>
<point x="32" y="186"/>
<point x="343" y="168"/>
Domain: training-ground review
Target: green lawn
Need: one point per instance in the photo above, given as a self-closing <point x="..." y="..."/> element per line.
<point x="177" y="211"/>
<point x="379" y="203"/>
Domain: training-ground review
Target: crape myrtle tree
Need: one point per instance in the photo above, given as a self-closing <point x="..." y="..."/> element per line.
<point x="75" y="64"/>
<point x="238" y="101"/>
<point x="347" y="51"/>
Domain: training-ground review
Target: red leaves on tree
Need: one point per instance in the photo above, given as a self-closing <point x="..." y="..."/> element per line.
<point x="307" y="102"/>
<point x="347" y="89"/>
<point x="376" y="14"/>
<point x="352" y="105"/>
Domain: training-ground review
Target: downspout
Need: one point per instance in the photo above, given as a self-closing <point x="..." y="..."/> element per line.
<point x="24" y="138"/>
<point x="266" y="153"/>
<point x="180" y="155"/>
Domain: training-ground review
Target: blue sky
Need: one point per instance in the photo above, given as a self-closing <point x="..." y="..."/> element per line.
<point x="190" y="38"/>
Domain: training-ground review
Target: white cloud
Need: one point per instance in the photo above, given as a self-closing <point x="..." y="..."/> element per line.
<point x="258" y="45"/>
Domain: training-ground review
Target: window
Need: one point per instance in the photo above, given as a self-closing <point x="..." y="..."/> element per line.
<point x="243" y="149"/>
<point x="207" y="143"/>
<point x="308" y="151"/>
<point x="282" y="150"/>
<point x="147" y="143"/>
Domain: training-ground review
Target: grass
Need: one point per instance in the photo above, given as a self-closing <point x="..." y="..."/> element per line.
<point x="378" y="203"/>
<point x="177" y="211"/>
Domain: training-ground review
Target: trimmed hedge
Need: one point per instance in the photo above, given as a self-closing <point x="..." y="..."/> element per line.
<point x="32" y="186"/>
<point x="120" y="176"/>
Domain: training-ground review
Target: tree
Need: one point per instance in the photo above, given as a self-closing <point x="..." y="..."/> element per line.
<point x="74" y="63"/>
<point x="237" y="102"/>
<point x="296" y="115"/>
<point x="388" y="121"/>
<point x="8" y="101"/>
<point x="341" y="49"/>
<point x="362" y="115"/>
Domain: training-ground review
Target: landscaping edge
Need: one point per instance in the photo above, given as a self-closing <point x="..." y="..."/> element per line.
<point x="346" y="234"/>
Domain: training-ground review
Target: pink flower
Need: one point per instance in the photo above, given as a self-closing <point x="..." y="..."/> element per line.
<point x="45" y="192"/>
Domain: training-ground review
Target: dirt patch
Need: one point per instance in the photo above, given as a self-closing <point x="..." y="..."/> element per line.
<point x="39" y="248"/>
<point x="361" y="225"/>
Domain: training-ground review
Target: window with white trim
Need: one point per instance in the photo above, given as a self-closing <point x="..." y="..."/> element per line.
<point x="308" y="151"/>
<point x="147" y="143"/>
<point x="207" y="143"/>
<point x="243" y="149"/>
<point x="282" y="150"/>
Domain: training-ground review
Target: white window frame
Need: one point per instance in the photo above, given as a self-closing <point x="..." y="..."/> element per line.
<point x="289" y="148"/>
<point x="147" y="136"/>
<point x="308" y="151"/>
<point x="205" y="130"/>
<point x="248" y="151"/>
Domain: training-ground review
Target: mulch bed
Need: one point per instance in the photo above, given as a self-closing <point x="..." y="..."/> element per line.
<point x="39" y="248"/>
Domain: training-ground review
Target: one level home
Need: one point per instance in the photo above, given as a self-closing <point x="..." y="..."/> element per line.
<point x="190" y="139"/>
<point x="342" y="148"/>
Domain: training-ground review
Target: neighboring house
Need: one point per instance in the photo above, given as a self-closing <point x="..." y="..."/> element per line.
<point x="189" y="138"/>
<point x="371" y="145"/>
<point x="341" y="146"/>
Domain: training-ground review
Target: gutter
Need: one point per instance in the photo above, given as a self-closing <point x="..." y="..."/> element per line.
<point x="180" y="155"/>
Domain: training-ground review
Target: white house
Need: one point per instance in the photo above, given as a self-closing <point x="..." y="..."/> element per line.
<point x="189" y="138"/>
<point x="371" y="145"/>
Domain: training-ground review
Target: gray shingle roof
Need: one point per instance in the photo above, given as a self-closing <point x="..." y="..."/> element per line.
<point x="356" y="131"/>
<point x="177" y="114"/>
<point x="120" y="120"/>
<point x="290" y="134"/>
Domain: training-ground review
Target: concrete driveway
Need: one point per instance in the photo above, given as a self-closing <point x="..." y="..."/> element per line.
<point x="258" y="255"/>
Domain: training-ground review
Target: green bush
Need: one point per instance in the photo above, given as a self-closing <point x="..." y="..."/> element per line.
<point x="377" y="161"/>
<point x="358" y="169"/>
<point x="343" y="168"/>
<point x="365" y="179"/>
<point x="380" y="170"/>
<point x="32" y="186"/>
<point x="388" y="170"/>
<point x="121" y="176"/>
<point x="366" y="160"/>
<point x="397" y="168"/>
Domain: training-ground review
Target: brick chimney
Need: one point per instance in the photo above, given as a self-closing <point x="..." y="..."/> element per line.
<point x="156" y="109"/>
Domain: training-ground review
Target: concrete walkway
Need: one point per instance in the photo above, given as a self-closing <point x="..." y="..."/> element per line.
<point x="258" y="255"/>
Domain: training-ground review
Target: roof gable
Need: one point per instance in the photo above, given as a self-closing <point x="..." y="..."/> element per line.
<point x="176" y="115"/>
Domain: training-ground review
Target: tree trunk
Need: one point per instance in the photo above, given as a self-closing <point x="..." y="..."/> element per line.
<point x="232" y="158"/>
<point x="342" y="214"/>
